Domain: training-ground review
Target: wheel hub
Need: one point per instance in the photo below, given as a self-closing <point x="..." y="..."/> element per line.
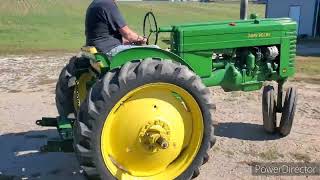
<point x="155" y="136"/>
<point x="153" y="132"/>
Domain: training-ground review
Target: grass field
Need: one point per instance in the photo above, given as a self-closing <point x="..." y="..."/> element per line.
<point x="32" y="26"/>
<point x="309" y="66"/>
<point x="58" y="25"/>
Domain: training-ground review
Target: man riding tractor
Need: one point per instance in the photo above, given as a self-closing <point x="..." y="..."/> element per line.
<point x="146" y="113"/>
<point x="107" y="30"/>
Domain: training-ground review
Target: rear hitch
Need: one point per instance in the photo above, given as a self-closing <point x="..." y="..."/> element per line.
<point x="47" y="122"/>
<point x="64" y="127"/>
<point x="57" y="145"/>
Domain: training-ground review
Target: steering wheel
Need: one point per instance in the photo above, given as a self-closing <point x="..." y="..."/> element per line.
<point x="151" y="28"/>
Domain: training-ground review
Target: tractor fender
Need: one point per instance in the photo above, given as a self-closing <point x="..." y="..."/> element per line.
<point x="142" y="53"/>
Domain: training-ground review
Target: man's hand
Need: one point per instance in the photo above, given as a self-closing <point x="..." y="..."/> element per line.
<point x="141" y="40"/>
<point x="125" y="41"/>
<point x="131" y="37"/>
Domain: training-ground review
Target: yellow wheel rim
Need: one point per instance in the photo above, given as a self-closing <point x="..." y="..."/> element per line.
<point x="80" y="91"/>
<point x="154" y="132"/>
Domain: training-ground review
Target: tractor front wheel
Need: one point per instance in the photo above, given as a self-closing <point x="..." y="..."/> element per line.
<point x="288" y="112"/>
<point x="149" y="119"/>
<point x="269" y="109"/>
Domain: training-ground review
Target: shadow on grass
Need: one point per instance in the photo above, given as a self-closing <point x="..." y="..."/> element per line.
<point x="20" y="158"/>
<point x="308" y="54"/>
<point x="308" y="48"/>
<point x="244" y="131"/>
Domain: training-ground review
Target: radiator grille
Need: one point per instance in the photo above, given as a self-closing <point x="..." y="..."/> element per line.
<point x="292" y="49"/>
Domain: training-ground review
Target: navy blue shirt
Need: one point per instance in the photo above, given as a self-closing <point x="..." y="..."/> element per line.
<point x="103" y="21"/>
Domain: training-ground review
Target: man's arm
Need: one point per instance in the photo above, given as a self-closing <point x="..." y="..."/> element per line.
<point x="131" y="36"/>
<point x="118" y="23"/>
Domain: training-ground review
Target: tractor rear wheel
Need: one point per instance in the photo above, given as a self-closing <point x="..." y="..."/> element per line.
<point x="149" y="119"/>
<point x="67" y="90"/>
<point x="64" y="91"/>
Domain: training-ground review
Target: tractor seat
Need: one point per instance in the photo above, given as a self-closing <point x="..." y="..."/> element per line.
<point x="89" y="49"/>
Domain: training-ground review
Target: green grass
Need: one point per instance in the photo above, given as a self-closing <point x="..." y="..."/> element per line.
<point x="308" y="69"/>
<point x="301" y="156"/>
<point x="270" y="154"/>
<point x="58" y="25"/>
<point x="308" y="65"/>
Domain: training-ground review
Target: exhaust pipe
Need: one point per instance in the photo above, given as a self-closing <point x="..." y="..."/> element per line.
<point x="244" y="9"/>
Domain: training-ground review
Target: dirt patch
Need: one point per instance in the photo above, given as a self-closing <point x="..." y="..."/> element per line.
<point x="29" y="73"/>
<point x="27" y="85"/>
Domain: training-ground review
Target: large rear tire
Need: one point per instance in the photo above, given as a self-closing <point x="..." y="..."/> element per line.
<point x="64" y="90"/>
<point x="173" y="108"/>
<point x="66" y="101"/>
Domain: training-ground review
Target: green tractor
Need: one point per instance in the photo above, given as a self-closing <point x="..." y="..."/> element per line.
<point x="146" y="113"/>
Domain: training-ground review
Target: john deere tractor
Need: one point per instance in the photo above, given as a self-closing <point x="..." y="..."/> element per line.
<point x="146" y="113"/>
